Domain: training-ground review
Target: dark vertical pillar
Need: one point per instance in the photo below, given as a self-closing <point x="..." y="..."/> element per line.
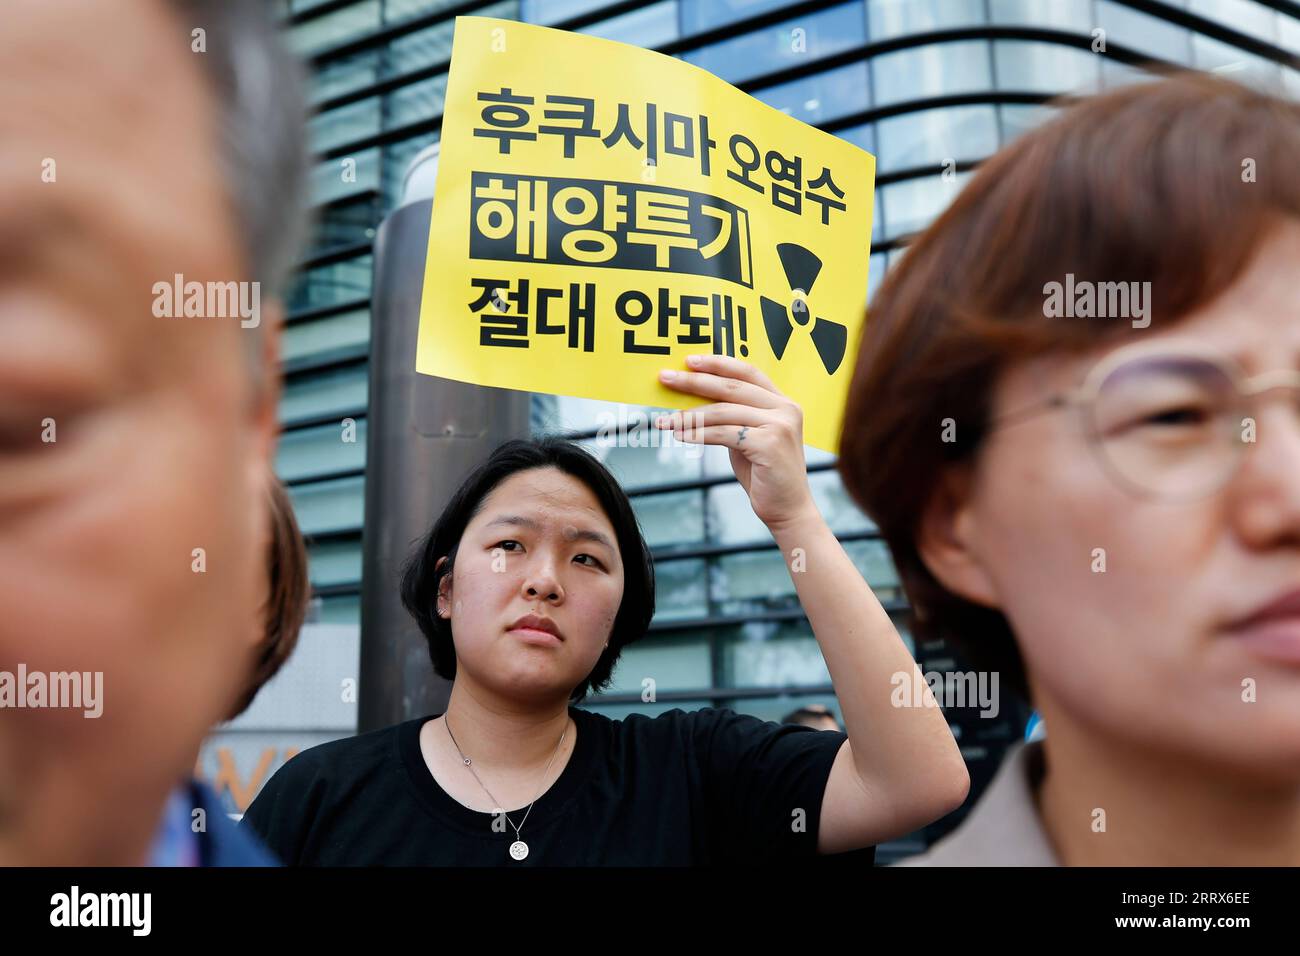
<point x="424" y="435"/>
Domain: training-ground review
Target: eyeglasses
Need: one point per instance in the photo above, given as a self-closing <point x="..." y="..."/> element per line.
<point x="1166" y="423"/>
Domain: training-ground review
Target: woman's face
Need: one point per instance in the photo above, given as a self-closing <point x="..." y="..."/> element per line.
<point x="540" y="544"/>
<point x="1146" y="651"/>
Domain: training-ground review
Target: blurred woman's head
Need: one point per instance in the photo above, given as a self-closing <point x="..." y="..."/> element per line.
<point x="1082" y="501"/>
<point x="541" y="528"/>
<point x="286" y="594"/>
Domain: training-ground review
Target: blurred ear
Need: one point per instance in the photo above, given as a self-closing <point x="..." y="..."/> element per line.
<point x="947" y="538"/>
<point x="444" y="591"/>
<point x="267" y="380"/>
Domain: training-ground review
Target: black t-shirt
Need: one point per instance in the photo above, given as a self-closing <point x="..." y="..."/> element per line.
<point x="682" y="788"/>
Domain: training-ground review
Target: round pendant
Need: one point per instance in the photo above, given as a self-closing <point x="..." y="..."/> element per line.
<point x="519" y="849"/>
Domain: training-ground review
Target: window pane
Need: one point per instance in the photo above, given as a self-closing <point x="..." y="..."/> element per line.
<point x="1045" y="67"/>
<point x="1143" y="32"/>
<point x="333" y="28"/>
<point x="396" y="11"/>
<point x="334" y="178"/>
<point x="822" y="97"/>
<point x="346" y="222"/>
<point x="329" y="505"/>
<point x="649" y="27"/>
<point x="343" y="609"/>
<point x="675" y="661"/>
<point x="680" y="590"/>
<point x="397" y="159"/>
<point x="784" y="44"/>
<point x="931" y="71"/>
<point x="1017" y="119"/>
<point x="701" y="15"/>
<point x="674" y="518"/>
<point x="877" y="216"/>
<point x="931" y="137"/>
<point x="1288" y="33"/>
<point x="771" y="654"/>
<point x="638" y="467"/>
<point x="1248" y="16"/>
<point x="331" y="284"/>
<point x="308" y="452"/>
<point x="346" y="331"/>
<point x="863" y="136"/>
<point x="1210" y="54"/>
<point x="752" y="582"/>
<point x="553" y="11"/>
<point x="732" y="519"/>
<point x="334" y="562"/>
<point x="891" y="18"/>
<point x="413" y="51"/>
<point x="912" y="204"/>
<point x="843" y="516"/>
<point x="875" y="275"/>
<point x="341" y="390"/>
<point x="873" y="561"/>
<point x="345" y="74"/>
<point x="342" y="125"/>
<point x="1069" y="14"/>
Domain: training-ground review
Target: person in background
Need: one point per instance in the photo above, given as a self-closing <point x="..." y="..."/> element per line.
<point x="816" y="716"/>
<point x="1074" y="419"/>
<point x="134" y="446"/>
<point x="286" y="596"/>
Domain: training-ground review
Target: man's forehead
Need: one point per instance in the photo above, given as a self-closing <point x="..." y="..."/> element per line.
<point x="91" y="73"/>
<point x="110" y="180"/>
<point x="112" y="54"/>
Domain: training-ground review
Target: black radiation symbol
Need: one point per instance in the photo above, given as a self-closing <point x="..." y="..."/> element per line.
<point x="829" y="338"/>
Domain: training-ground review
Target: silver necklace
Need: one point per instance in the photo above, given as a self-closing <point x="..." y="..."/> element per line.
<point x="518" y="849"/>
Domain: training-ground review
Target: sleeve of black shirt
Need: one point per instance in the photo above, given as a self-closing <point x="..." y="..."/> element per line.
<point x="765" y="784"/>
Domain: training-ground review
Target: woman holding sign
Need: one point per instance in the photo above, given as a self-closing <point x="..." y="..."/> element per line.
<point x="527" y="588"/>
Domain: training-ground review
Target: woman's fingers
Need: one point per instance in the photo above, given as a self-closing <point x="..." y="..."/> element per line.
<point x="722" y="413"/>
<point x="733" y="368"/>
<point x="739" y="437"/>
<point x="708" y="385"/>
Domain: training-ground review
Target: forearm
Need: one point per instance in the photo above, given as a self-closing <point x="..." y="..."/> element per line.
<point x="909" y="747"/>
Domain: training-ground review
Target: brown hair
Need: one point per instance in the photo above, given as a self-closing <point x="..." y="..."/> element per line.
<point x="1173" y="181"/>
<point x="288" y="593"/>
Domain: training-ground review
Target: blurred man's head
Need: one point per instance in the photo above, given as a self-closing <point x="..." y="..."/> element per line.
<point x="133" y="445"/>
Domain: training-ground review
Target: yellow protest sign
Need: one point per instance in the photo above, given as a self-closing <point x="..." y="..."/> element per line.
<point x="602" y="211"/>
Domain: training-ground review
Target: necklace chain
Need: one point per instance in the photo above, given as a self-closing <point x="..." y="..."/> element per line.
<point x="494" y="800"/>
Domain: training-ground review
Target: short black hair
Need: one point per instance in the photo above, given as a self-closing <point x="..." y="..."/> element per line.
<point x="816" y="711"/>
<point x="421" y="577"/>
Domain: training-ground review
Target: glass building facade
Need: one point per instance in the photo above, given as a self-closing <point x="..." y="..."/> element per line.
<point x="930" y="87"/>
